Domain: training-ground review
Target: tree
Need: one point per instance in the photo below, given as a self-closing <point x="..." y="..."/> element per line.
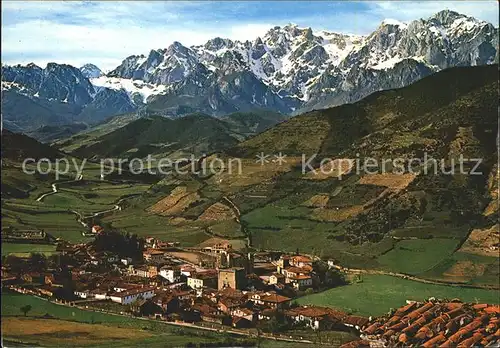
<point x="336" y="277"/>
<point x="309" y="291"/>
<point x="25" y="309"/>
<point x="329" y="275"/>
<point x="321" y="268"/>
<point x="125" y="245"/>
<point x="276" y="324"/>
<point x="15" y="263"/>
<point x="38" y="262"/>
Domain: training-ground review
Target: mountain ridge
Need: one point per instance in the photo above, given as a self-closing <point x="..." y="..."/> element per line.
<point x="289" y="70"/>
<point x="306" y="67"/>
<point x="195" y="134"/>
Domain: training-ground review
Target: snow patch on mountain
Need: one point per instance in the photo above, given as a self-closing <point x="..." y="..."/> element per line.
<point x="132" y="87"/>
<point x="390" y="21"/>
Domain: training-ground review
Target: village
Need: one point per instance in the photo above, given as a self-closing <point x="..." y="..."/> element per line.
<point x="218" y="286"/>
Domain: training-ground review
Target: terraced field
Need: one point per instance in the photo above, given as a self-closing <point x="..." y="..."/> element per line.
<point x="55" y="213"/>
<point x="24" y="249"/>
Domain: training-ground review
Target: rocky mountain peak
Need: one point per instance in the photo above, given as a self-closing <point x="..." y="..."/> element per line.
<point x="308" y="34"/>
<point x="31" y="66"/>
<point x="447" y="17"/>
<point x="91" y="71"/>
<point x="218" y="43"/>
<point x="292" y="29"/>
<point x="257" y="42"/>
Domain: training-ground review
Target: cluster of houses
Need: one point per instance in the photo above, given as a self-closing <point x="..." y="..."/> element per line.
<point x="240" y="290"/>
<point x="226" y="286"/>
<point x="10" y="234"/>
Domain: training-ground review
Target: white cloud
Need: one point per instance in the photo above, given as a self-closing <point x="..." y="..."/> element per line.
<point x="77" y="45"/>
<point x="407" y="11"/>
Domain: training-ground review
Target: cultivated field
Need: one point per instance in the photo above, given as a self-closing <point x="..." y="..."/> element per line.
<point x="483" y="241"/>
<point x="24" y="249"/>
<point x="417" y="256"/>
<point x="53" y="332"/>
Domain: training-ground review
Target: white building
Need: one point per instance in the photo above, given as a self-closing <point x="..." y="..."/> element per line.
<point x="83" y="294"/>
<point x="301" y="282"/>
<point x="127" y="297"/>
<point x="126" y="261"/>
<point x="170" y="274"/>
<point x="101" y="295"/>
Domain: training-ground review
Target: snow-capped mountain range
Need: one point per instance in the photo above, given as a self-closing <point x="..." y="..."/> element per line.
<point x="292" y="69"/>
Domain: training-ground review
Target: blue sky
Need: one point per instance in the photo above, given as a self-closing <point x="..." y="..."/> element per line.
<point x="103" y="33"/>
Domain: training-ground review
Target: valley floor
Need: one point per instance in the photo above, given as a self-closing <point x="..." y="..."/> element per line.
<point x="374" y="295"/>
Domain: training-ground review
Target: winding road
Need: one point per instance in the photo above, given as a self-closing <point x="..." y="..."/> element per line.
<point x="54" y="188"/>
<point x="80" y="217"/>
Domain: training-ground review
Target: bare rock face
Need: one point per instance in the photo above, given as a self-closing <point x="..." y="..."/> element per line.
<point x="309" y="70"/>
<point x="289" y="69"/>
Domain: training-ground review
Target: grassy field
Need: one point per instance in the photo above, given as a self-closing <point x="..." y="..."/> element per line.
<point x="102" y="192"/>
<point x="53" y="332"/>
<point x="66" y="199"/>
<point x="136" y="220"/>
<point x="417" y="256"/>
<point x="54" y="213"/>
<point x="376" y="294"/>
<point x="11" y="302"/>
<point x="465" y="267"/>
<point x="23" y="249"/>
<point x="58" y="222"/>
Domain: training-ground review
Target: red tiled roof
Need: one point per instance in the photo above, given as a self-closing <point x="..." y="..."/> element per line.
<point x="492" y="309"/>
<point x="238" y="319"/>
<point x="471" y="341"/>
<point x="296" y="270"/>
<point x="275" y="298"/>
<point x="405" y="309"/>
<point x="434" y="324"/>
<point x="301" y="277"/>
<point x="373" y="328"/>
<point x="314" y="312"/>
<point x="355" y="320"/>
<point x="301" y="258"/>
<point x="434" y="341"/>
<point x="153" y="252"/>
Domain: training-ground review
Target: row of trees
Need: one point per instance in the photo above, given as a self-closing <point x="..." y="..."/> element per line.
<point x="37" y="262"/>
<point x="328" y="276"/>
<point x="123" y="244"/>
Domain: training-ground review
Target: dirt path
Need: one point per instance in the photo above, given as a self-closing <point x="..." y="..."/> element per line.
<point x="233" y="206"/>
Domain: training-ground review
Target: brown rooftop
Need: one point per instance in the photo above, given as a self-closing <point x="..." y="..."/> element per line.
<point x="439" y="324"/>
<point x="275" y="298"/>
